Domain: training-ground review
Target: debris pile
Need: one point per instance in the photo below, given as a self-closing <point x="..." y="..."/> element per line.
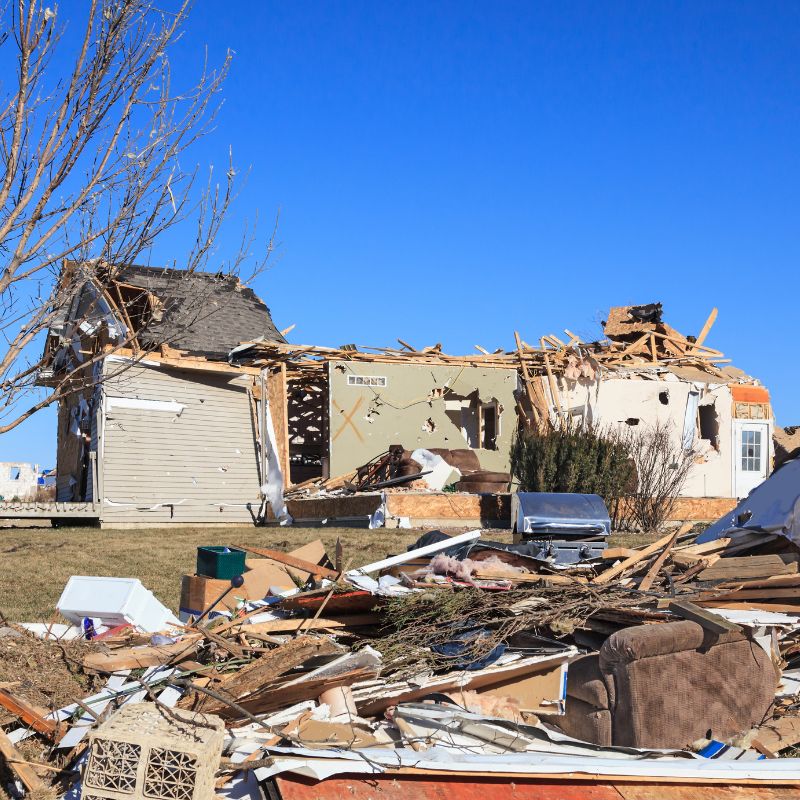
<point x="678" y="661"/>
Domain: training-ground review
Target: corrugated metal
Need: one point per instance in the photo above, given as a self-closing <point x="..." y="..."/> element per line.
<point x="199" y="465"/>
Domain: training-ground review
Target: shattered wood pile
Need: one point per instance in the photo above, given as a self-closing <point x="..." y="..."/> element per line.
<point x="461" y="655"/>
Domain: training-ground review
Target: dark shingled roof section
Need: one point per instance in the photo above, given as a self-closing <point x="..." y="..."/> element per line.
<point x="204" y="313"/>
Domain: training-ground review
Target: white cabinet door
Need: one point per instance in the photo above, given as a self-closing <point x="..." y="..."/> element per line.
<point x="751" y="454"/>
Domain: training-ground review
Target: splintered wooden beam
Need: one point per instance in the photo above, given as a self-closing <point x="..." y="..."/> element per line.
<point x="22" y="769"/>
<point x="706" y="328"/>
<point x="707" y="619"/>
<point x="407" y="345"/>
<point x="618" y="569"/>
<point x="291" y="561"/>
<point x="652" y="574"/>
<point x="29" y="715"/>
<point x="526" y="376"/>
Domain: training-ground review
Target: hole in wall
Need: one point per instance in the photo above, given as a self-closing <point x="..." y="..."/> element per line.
<point x="708" y="424"/>
<point x="663" y="398"/>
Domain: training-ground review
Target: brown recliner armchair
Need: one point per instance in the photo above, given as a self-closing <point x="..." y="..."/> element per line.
<point x="667" y="685"/>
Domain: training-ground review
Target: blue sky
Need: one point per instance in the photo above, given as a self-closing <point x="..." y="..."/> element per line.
<point x="448" y="172"/>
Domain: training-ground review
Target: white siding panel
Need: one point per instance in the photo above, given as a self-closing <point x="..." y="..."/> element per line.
<point x="199" y="465"/>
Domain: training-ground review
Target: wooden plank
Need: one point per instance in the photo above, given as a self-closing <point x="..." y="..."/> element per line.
<point x="552" y="381"/>
<point x="291" y="625"/>
<point x="703" y="549"/>
<point x="765" y="583"/>
<point x="21" y="768"/>
<point x="780" y="733"/>
<point x="615" y="553"/>
<point x="527" y="379"/>
<point x="756" y="594"/>
<point x="710" y="621"/>
<point x="291" y="561"/>
<point x="749" y="567"/>
<point x="648" y="579"/>
<point x="136" y="657"/>
<point x="701" y="337"/>
<point x="278" y="409"/>
<point x="752" y="605"/>
<point x="25" y="712"/>
<point x="612" y="573"/>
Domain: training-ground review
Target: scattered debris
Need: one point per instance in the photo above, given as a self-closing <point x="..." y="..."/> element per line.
<point x="656" y="663"/>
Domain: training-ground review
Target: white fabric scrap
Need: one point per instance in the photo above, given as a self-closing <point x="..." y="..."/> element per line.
<point x="273" y="488"/>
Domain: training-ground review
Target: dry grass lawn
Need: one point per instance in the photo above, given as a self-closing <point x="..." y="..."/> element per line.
<point x="35" y="563"/>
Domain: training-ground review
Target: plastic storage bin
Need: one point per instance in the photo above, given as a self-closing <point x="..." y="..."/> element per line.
<point x="220" y="562"/>
<point x="115" y="601"/>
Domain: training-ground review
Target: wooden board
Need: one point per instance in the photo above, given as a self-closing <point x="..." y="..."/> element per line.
<point x="448" y="505"/>
<point x="17" y="763"/>
<point x="617" y="570"/>
<point x="780" y="733"/>
<point x="707" y="619"/>
<point x="652" y="573"/>
<point x="292" y="561"/>
<point x="278" y="409"/>
<point x="751" y="567"/>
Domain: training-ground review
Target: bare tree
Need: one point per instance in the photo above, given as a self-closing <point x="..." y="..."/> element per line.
<point x="662" y="468"/>
<point x="93" y="177"/>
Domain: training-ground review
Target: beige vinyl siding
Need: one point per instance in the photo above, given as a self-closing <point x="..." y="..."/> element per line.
<point x="199" y="465"/>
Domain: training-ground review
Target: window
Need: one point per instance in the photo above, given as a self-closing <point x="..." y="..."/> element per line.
<point x="751" y="451"/>
<point x="489" y="424"/>
<point x="14" y="473"/>
<point x="366" y="380"/>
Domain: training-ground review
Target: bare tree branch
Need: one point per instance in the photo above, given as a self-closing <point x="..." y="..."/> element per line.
<point x="93" y="178"/>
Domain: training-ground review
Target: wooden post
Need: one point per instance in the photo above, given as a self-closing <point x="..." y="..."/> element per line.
<point x="526" y="377"/>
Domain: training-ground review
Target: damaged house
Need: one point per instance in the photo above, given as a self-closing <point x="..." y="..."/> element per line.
<point x="171" y="436"/>
<point x="715" y="410"/>
<point x="199" y="411"/>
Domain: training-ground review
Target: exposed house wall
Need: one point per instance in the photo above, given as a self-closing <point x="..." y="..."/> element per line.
<point x="76" y="440"/>
<point x="373" y="406"/>
<point x="622" y="401"/>
<point x="177" y="447"/>
<point x="18" y="480"/>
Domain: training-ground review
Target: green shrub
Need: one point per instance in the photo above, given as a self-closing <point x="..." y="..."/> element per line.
<point x="574" y="458"/>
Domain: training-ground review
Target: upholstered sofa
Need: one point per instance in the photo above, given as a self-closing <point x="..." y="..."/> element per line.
<point x="667" y="685"/>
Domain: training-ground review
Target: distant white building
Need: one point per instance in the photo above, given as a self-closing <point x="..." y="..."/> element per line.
<point x="18" y="480"/>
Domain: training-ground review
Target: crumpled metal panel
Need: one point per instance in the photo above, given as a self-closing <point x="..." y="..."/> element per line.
<point x="772" y="507"/>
